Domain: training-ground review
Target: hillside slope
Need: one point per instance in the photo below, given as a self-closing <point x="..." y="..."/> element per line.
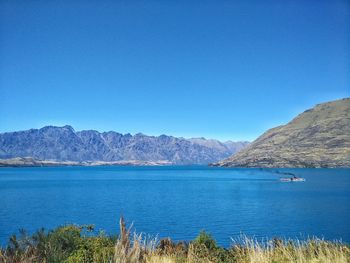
<point x="318" y="137"/>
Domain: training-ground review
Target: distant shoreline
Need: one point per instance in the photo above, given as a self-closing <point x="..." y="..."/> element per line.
<point x="31" y="162"/>
<point x="27" y="162"/>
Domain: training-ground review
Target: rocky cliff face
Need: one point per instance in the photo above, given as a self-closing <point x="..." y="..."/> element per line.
<point x="319" y="137"/>
<point x="64" y="144"/>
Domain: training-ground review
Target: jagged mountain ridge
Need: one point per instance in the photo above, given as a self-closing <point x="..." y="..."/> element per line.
<point x="318" y="137"/>
<point x="65" y="144"/>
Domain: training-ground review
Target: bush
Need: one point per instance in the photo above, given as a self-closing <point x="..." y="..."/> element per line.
<point x="64" y="244"/>
<point x="206" y="239"/>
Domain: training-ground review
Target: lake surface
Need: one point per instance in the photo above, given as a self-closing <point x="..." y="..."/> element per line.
<point x="178" y="201"/>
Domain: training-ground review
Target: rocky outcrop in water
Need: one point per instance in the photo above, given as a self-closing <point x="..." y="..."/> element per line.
<point x="65" y="144"/>
<point x="318" y="137"/>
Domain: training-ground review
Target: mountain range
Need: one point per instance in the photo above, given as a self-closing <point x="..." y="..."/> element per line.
<point x="64" y="144"/>
<point x="318" y="137"/>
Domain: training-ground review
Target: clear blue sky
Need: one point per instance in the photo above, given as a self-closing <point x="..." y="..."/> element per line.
<point x="218" y="69"/>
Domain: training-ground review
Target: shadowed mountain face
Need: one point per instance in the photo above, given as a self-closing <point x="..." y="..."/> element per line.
<point x="64" y="144"/>
<point x="319" y="137"/>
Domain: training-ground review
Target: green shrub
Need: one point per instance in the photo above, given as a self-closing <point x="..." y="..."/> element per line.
<point x="206" y="239"/>
<point x="94" y="249"/>
<point x="69" y="243"/>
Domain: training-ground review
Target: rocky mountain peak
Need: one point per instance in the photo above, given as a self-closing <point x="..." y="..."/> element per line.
<point x="64" y="144"/>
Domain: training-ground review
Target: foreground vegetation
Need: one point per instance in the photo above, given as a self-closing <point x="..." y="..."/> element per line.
<point x="74" y="244"/>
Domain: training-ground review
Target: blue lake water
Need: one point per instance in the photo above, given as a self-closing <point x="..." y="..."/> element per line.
<point x="178" y="201"/>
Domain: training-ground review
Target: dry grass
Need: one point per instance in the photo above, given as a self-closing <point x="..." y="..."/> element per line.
<point x="313" y="250"/>
<point x="244" y="250"/>
<point x="133" y="250"/>
<point x="273" y="251"/>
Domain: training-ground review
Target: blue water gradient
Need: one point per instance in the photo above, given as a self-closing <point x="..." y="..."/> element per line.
<point x="178" y="201"/>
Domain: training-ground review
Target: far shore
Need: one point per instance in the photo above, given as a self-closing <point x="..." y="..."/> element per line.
<point x="31" y="162"/>
<point x="25" y="162"/>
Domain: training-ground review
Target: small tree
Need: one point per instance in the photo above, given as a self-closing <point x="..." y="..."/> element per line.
<point x="206" y="239"/>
